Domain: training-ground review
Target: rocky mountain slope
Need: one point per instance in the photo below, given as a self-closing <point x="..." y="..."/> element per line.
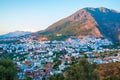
<point x="98" y="22"/>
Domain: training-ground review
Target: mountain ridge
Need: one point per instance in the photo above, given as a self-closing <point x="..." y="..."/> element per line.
<point x="98" y="22"/>
<point x="15" y="34"/>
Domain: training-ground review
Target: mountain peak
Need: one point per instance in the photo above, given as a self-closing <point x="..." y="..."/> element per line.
<point x="100" y="9"/>
<point x="88" y="8"/>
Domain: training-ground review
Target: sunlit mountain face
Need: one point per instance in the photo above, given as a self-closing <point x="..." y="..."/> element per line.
<point x="98" y="22"/>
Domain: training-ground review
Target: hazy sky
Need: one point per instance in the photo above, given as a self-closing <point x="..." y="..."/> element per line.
<point x="35" y="15"/>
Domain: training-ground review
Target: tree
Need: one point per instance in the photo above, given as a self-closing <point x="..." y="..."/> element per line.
<point x="73" y="59"/>
<point x="82" y="71"/>
<point x="57" y="63"/>
<point x="57" y="77"/>
<point x="8" y="70"/>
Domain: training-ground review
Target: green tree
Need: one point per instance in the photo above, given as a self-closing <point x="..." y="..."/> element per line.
<point x="8" y="70"/>
<point x="82" y="71"/>
<point x="73" y="59"/>
<point x="56" y="64"/>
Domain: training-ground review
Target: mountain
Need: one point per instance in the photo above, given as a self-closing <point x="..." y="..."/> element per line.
<point x="98" y="22"/>
<point x="15" y="34"/>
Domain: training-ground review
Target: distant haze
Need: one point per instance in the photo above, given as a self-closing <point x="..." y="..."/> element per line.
<point x="35" y="15"/>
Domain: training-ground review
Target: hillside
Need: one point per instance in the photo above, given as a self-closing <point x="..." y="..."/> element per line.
<point x="109" y="71"/>
<point x="98" y="22"/>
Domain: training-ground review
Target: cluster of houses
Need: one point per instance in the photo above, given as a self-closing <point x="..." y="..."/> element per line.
<point x="40" y="60"/>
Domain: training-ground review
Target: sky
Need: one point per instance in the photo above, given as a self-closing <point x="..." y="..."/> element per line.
<point x="35" y="15"/>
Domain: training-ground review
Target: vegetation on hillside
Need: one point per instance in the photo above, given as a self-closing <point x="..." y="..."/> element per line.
<point x="81" y="71"/>
<point x="84" y="70"/>
<point x="109" y="71"/>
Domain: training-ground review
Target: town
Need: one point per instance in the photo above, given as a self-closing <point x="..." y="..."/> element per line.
<point x="41" y="59"/>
